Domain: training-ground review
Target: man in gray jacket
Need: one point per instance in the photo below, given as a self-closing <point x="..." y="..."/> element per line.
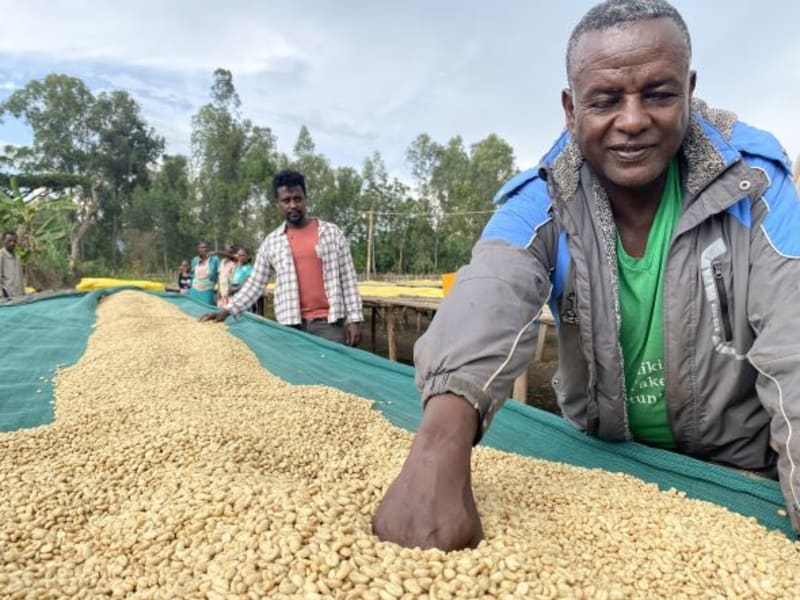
<point x="12" y="277"/>
<point x="664" y="235"/>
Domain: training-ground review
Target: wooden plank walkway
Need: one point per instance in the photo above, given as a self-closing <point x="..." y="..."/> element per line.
<point x="389" y="307"/>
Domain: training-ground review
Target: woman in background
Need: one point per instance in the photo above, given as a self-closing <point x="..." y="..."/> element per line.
<point x="242" y="271"/>
<point x="205" y="270"/>
<point x="226" y="267"/>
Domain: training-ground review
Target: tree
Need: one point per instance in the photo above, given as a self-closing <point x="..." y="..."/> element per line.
<point x="231" y="159"/>
<point x="423" y="156"/>
<point x="125" y="147"/>
<point x="103" y="140"/>
<point x="458" y="186"/>
<point x="395" y="212"/>
<point x="320" y="176"/>
<point x="39" y="223"/>
<point x="161" y="224"/>
<point x="261" y="162"/>
<point x="58" y="109"/>
<point x="304" y="146"/>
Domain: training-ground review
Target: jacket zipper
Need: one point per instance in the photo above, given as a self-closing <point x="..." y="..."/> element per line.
<point x="568" y="224"/>
<point x="727" y="333"/>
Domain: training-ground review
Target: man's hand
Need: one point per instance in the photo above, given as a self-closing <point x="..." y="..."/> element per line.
<point x="430" y="504"/>
<point x="217" y="317"/>
<point x="352" y="334"/>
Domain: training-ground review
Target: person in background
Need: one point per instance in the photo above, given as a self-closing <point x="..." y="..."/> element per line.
<point x="227" y="265"/>
<point x="244" y="267"/>
<point x="205" y="270"/>
<point x="185" y="277"/>
<point x="664" y="233"/>
<point x="316" y="289"/>
<point x="12" y="276"/>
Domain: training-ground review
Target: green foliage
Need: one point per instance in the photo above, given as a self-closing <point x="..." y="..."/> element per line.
<point x="41" y="226"/>
<point x="55" y="182"/>
<point x="102" y="142"/>
<point x="458" y="186"/>
<point x="59" y="111"/>
<point x="160" y="229"/>
<point x="234" y="160"/>
<point x="107" y="202"/>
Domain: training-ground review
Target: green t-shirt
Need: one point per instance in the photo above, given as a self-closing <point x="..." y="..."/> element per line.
<point x="641" y="334"/>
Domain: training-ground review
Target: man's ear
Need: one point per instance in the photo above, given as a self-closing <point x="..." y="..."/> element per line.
<point x="568" y="103"/>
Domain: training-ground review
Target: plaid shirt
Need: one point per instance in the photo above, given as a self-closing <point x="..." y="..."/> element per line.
<point x="338" y="274"/>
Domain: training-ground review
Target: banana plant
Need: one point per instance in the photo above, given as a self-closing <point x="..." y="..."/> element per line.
<point x="39" y="223"/>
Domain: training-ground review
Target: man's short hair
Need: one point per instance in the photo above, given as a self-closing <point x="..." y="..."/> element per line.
<point x="613" y="13"/>
<point x="287" y="178"/>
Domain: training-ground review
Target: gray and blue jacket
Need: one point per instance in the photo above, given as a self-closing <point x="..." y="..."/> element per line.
<point x="731" y="301"/>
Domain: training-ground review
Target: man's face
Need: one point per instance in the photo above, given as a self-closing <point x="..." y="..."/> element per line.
<point x="10" y="242"/>
<point x="292" y="203"/>
<point x="202" y="249"/>
<point x="630" y="101"/>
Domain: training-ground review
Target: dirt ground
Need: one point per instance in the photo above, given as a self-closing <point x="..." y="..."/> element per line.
<point x="540" y="391"/>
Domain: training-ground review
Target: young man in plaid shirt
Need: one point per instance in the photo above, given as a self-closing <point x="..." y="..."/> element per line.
<point x="315" y="281"/>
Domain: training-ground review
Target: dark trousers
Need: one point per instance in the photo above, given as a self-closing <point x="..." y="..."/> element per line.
<point x="321" y="328"/>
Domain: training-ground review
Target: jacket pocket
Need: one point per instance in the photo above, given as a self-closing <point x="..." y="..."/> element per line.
<point x="722" y="296"/>
<point x="716" y="275"/>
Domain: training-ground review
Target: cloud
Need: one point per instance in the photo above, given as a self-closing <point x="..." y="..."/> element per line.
<point x="168" y="36"/>
<point x="372" y="76"/>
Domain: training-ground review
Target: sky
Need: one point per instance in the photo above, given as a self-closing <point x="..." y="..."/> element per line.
<point x="368" y="76"/>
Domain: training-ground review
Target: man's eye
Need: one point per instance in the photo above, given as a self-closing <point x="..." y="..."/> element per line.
<point x="604" y="103"/>
<point x="659" y="96"/>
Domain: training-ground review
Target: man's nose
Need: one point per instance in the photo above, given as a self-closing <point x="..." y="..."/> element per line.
<point x="633" y="117"/>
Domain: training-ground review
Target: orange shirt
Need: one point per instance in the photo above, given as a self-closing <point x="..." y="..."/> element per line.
<point x="308" y="265"/>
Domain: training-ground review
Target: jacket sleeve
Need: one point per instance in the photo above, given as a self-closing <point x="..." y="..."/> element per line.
<point x="349" y="281"/>
<point x="773" y="306"/>
<point x="483" y="335"/>
<point x="254" y="285"/>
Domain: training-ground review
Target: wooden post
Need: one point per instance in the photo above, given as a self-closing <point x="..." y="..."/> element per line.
<point x="370" y="221"/>
<point x="373" y="318"/>
<point x="419" y="322"/>
<point x="520" y="393"/>
<point x="541" y="338"/>
<point x="391" y="334"/>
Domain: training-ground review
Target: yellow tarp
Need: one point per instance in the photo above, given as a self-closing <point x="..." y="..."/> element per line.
<point x="88" y="284"/>
<point x="393" y="290"/>
<point x="385" y="289"/>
